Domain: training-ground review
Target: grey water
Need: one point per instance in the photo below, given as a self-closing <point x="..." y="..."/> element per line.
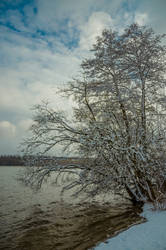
<point x="46" y="220"/>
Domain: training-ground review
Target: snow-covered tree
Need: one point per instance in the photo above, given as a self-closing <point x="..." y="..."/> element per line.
<point x="118" y="129"/>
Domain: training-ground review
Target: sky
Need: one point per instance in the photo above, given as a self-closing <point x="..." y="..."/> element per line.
<point x="42" y="44"/>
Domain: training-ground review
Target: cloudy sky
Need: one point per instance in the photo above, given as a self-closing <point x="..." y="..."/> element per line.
<point x="42" y="43"/>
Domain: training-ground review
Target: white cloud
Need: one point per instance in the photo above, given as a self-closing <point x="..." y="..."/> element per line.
<point x="15" y="19"/>
<point x="8" y="141"/>
<point x="12" y="135"/>
<point x="32" y="71"/>
<point x="51" y="12"/>
<point x="7" y="129"/>
<point x="141" y="18"/>
<point x="97" y="22"/>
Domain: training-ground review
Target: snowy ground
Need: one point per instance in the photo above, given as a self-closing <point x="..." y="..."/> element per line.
<point x="150" y="235"/>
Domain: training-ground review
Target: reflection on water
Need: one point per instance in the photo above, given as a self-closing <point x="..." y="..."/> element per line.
<point x="41" y="221"/>
<point x="67" y="227"/>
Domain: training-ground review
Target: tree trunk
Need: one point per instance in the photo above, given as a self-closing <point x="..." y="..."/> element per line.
<point x="143" y="115"/>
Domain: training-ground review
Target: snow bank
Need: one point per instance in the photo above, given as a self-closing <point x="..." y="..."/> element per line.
<point x="150" y="235"/>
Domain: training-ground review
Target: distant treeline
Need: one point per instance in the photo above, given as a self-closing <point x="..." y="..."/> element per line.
<point x="16" y="160"/>
<point x="11" y="160"/>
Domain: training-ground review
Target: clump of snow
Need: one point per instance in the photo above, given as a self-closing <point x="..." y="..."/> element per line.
<point x="150" y="235"/>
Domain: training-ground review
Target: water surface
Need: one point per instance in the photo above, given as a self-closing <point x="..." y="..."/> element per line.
<point x="39" y="221"/>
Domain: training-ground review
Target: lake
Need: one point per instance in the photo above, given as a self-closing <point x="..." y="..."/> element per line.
<point x="45" y="220"/>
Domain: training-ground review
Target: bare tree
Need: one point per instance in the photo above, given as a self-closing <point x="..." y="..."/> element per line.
<point x="118" y="128"/>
